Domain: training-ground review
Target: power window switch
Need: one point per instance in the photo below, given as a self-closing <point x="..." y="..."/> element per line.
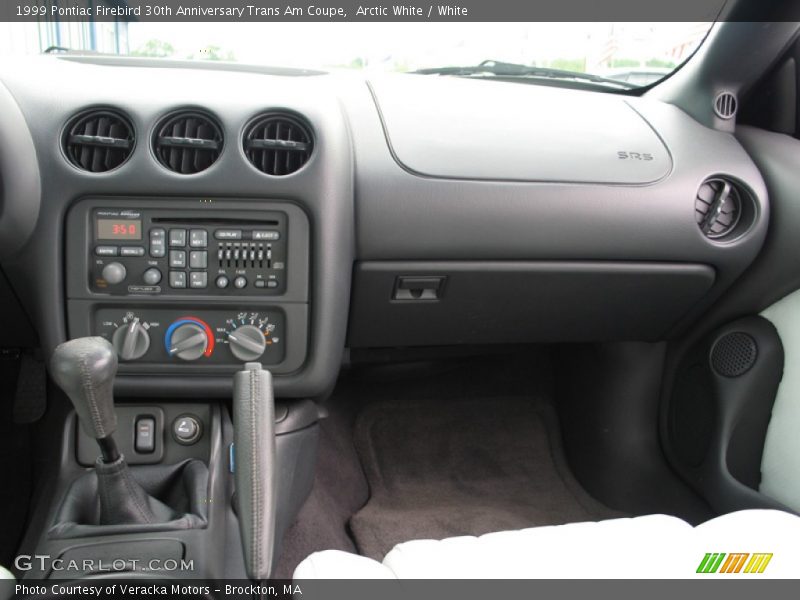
<point x="145" y="441"/>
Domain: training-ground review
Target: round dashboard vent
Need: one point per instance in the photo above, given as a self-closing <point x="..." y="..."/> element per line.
<point x="188" y="142"/>
<point x="98" y="141"/>
<point x="725" y="105"/>
<point x="277" y="143"/>
<point x="718" y="207"/>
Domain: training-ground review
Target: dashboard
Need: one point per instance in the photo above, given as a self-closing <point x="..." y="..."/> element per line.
<point x="199" y="218"/>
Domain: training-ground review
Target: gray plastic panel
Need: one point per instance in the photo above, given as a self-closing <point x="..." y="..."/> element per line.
<point x="466" y="129"/>
<point x="403" y="216"/>
<point x="491" y="302"/>
<point x="20" y="189"/>
<point x="323" y="189"/>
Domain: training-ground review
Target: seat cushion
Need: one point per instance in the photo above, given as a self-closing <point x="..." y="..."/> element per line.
<point x="655" y="546"/>
<point x="780" y="462"/>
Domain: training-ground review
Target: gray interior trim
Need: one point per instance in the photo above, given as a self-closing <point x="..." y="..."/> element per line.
<point x="20" y="186"/>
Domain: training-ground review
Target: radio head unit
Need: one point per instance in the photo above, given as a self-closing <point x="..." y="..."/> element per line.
<point x="156" y="251"/>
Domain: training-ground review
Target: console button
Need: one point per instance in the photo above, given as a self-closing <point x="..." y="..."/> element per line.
<point x="158" y="243"/>
<point x="272" y="283"/>
<point x="152" y="276"/>
<point x="187" y="429"/>
<point x="198" y="238"/>
<point x="177" y="238"/>
<point x="260" y="283"/>
<point x="240" y="282"/>
<point x="222" y="282"/>
<point x="198" y="259"/>
<point x="131" y="251"/>
<point x="177" y="259"/>
<point x="145" y="441"/>
<point x="228" y="234"/>
<point x="269" y="236"/>
<point x="198" y="279"/>
<point x="177" y="279"/>
<point x="106" y="250"/>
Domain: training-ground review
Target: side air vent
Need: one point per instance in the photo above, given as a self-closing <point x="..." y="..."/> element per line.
<point x="725" y="105"/>
<point x="278" y="144"/>
<point x="718" y="208"/>
<point x="188" y="142"/>
<point x="98" y="141"/>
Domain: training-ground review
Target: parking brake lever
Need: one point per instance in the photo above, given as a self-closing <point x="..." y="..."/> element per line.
<point x="254" y="447"/>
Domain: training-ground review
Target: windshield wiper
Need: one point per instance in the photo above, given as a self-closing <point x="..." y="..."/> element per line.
<point x="511" y="70"/>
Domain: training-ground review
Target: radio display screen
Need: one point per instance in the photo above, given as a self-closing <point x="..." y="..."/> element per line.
<point x="119" y="229"/>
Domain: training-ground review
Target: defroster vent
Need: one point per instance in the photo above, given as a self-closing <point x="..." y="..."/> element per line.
<point x="98" y="140"/>
<point x="188" y="142"/>
<point x="278" y="143"/>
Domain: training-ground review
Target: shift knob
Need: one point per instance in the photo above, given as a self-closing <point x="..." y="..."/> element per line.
<point x="85" y="368"/>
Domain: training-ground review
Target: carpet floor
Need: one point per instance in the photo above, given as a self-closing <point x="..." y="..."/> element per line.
<point x="462" y="466"/>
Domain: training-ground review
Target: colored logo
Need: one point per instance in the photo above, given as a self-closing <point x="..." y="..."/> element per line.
<point x="737" y="562"/>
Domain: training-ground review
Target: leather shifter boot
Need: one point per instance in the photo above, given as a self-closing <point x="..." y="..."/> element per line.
<point x="122" y="499"/>
<point x="85" y="368"/>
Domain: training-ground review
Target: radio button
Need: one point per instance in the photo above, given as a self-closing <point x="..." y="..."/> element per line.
<point x="272" y="283"/>
<point x="177" y="238"/>
<point x="152" y="276"/>
<point x="177" y="279"/>
<point x="198" y="259"/>
<point x="158" y="246"/>
<point x="260" y="283"/>
<point x="131" y="251"/>
<point x="106" y="250"/>
<point x="269" y="236"/>
<point x="222" y="282"/>
<point x="240" y="282"/>
<point x="177" y="259"/>
<point x="228" y="234"/>
<point x="198" y="279"/>
<point x="198" y="238"/>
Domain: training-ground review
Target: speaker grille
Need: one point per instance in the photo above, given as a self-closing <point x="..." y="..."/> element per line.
<point x="734" y="354"/>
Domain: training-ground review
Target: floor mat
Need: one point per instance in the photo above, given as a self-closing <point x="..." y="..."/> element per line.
<point x="443" y="468"/>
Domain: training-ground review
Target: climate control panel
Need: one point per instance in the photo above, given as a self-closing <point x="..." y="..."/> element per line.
<point x="212" y="336"/>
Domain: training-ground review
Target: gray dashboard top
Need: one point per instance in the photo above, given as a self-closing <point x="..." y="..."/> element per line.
<point x="476" y="129"/>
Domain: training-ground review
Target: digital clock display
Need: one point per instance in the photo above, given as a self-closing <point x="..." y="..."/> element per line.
<point x="119" y="229"/>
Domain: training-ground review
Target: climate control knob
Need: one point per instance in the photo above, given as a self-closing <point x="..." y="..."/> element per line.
<point x="247" y="342"/>
<point x="131" y="341"/>
<point x="188" y="341"/>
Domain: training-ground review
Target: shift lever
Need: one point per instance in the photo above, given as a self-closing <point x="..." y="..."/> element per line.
<point x="85" y="368"/>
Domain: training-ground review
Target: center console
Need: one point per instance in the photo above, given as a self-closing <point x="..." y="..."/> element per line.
<point x="181" y="296"/>
<point x="190" y="285"/>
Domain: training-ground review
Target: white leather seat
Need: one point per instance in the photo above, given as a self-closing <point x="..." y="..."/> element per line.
<point x="655" y="546"/>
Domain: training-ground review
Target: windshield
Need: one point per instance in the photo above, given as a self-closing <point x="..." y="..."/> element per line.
<point x="636" y="54"/>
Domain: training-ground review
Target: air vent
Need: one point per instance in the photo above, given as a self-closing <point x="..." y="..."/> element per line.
<point x="718" y="207"/>
<point x="278" y="144"/>
<point x="98" y="141"/>
<point x="725" y="105"/>
<point x="188" y="142"/>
